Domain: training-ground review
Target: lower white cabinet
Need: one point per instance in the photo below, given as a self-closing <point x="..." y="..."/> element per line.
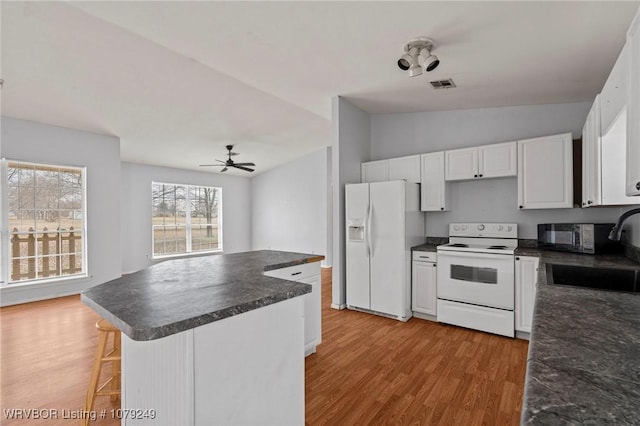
<point x="423" y="283"/>
<point x="545" y="172"/>
<point x="526" y="283"/>
<point x="308" y="273"/>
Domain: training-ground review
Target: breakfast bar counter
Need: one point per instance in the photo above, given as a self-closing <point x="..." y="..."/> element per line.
<point x="212" y="339"/>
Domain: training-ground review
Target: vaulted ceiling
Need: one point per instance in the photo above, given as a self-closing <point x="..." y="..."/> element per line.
<point x="177" y="81"/>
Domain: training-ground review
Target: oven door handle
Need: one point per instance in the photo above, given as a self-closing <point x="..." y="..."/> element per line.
<point x="473" y="255"/>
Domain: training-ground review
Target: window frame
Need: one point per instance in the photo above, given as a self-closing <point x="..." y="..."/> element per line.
<point x="5" y="232"/>
<point x="188" y="225"/>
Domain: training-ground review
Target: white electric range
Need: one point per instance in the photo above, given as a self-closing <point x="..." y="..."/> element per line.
<point x="476" y="278"/>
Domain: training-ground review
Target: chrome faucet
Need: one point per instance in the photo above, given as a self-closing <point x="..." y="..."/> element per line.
<point x="616" y="231"/>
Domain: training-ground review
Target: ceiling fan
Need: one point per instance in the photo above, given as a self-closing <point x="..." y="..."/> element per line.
<point x="230" y="163"/>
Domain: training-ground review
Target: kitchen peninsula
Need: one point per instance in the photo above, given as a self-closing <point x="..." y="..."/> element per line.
<point x="213" y="339"/>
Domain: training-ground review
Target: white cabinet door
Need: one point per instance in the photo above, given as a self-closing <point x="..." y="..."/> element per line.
<point x="461" y="164"/>
<point x="498" y="160"/>
<point x="405" y="168"/>
<point x="434" y="190"/>
<point x="613" y="97"/>
<point x="591" y="158"/>
<point x="308" y="273"/>
<point x="423" y="278"/>
<point x="375" y="171"/>
<point x="526" y="282"/>
<point x="633" y="108"/>
<point x="312" y="315"/>
<point x="545" y="172"/>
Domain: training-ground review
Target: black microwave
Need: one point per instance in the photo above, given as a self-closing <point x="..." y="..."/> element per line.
<point x="590" y="238"/>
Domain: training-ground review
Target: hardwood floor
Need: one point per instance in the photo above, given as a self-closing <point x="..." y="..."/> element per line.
<point x="371" y="369"/>
<point x="368" y="369"/>
<point x="47" y="355"/>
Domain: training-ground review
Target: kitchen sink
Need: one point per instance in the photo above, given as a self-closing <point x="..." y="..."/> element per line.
<point x="598" y="278"/>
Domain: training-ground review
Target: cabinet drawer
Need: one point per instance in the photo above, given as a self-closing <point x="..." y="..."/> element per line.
<point x="425" y="256"/>
<point x="295" y="273"/>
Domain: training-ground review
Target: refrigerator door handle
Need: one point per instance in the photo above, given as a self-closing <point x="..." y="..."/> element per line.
<point x="369" y="226"/>
<point x="367" y="236"/>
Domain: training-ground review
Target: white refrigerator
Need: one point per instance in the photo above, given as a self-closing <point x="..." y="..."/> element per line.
<point x="383" y="221"/>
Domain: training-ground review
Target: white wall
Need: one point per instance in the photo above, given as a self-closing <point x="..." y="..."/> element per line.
<point x="491" y="200"/>
<point x="289" y="206"/>
<point x="394" y="135"/>
<point x="100" y="154"/>
<point x="136" y="209"/>
<point x="351" y="146"/>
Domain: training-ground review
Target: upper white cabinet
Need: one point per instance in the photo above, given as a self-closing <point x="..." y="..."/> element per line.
<point x="633" y="108"/>
<point x="487" y="161"/>
<point x="401" y="168"/>
<point x="603" y="153"/>
<point x="461" y="164"/>
<point x="613" y="97"/>
<point x="375" y="171"/>
<point x="434" y="191"/>
<point x="545" y="172"/>
<point x="526" y="283"/>
<point x="498" y="160"/>
<point x="407" y="168"/>
<point x="591" y="159"/>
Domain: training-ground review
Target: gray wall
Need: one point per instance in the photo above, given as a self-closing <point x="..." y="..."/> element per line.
<point x="136" y="209"/>
<point x="351" y="146"/>
<point x="289" y="206"/>
<point x="491" y="200"/>
<point x="100" y="154"/>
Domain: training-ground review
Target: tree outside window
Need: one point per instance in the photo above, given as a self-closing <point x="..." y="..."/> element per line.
<point x="46" y="221"/>
<point x="186" y="219"/>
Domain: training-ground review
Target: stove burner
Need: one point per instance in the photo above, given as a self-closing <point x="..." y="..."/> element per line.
<point x="458" y="245"/>
<point x="497" y="247"/>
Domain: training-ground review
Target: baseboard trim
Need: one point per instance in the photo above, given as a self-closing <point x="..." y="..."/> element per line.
<point x="338" y="307"/>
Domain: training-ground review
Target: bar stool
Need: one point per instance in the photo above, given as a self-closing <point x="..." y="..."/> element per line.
<point x="114" y="356"/>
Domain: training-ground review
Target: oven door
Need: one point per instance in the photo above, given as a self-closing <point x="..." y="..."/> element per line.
<point x="477" y="278"/>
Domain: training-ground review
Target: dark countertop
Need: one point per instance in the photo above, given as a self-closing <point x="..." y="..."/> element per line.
<point x="425" y="247"/>
<point x="181" y="294"/>
<point x="583" y="365"/>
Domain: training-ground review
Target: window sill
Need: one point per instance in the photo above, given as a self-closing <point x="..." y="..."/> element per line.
<point x="23" y="285"/>
<point x="158" y="259"/>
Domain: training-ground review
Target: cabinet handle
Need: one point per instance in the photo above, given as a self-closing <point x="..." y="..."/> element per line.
<point x="638" y="185"/>
<point x="433" y="264"/>
<point x="519" y="206"/>
<point x="475" y="175"/>
<point x="479" y="175"/>
<point x="589" y="202"/>
<point x="441" y="208"/>
<point x="296" y="273"/>
<point x="517" y="258"/>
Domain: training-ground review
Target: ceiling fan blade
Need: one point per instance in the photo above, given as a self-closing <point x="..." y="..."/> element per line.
<point x="242" y="168"/>
<point x="209" y="165"/>
<point x="244" y="164"/>
<point x="224" y="170"/>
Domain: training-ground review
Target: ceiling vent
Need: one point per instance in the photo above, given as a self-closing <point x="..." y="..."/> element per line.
<point x="443" y="84"/>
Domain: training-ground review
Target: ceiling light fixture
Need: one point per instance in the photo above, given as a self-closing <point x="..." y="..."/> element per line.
<point x="417" y="56"/>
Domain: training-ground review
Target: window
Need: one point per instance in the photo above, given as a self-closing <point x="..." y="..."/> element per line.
<point x="186" y="219"/>
<point x="44" y="221"/>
